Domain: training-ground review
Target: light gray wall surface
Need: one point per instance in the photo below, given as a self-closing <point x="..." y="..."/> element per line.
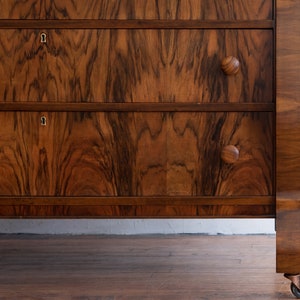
<point x="139" y="226"/>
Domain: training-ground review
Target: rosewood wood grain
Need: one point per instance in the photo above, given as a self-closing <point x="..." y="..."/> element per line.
<point x="138" y="211"/>
<point x="134" y="154"/>
<point x="134" y="200"/>
<point x="137" y="107"/>
<point x="230" y="154"/>
<point x="288" y="131"/>
<point x="135" y="66"/>
<point x="230" y="65"/>
<point x="135" y="24"/>
<point x="138" y="9"/>
<point x="154" y="207"/>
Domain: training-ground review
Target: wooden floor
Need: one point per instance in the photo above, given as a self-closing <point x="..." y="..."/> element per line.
<point x="140" y="267"/>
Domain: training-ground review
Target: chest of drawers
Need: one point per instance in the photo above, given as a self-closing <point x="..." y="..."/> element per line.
<point x="138" y="108"/>
<point x="135" y="109"/>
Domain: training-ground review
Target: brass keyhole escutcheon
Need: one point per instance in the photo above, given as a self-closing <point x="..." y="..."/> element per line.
<point x="43" y="121"/>
<point x="43" y="37"/>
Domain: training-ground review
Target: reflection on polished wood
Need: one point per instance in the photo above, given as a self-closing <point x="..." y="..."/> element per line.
<point x="135" y="107"/>
<point x="119" y="65"/>
<point x="135" y="268"/>
<point x="137" y="155"/>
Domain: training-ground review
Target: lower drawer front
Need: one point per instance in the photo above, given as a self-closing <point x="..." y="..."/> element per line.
<point x="135" y="154"/>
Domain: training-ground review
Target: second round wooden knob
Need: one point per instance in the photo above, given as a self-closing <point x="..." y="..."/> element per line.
<point x="230" y="65"/>
<point x="230" y="154"/>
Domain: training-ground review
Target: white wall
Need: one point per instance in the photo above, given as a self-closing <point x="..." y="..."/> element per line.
<point x="139" y="226"/>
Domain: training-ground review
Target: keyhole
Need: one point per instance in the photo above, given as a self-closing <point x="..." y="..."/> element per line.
<point x="43" y="37"/>
<point x="43" y="121"/>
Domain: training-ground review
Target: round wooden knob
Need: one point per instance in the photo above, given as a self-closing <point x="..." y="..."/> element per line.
<point x="230" y="65"/>
<point x="230" y="154"/>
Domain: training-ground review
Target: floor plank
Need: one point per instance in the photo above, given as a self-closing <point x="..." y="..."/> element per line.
<point x="140" y="267"/>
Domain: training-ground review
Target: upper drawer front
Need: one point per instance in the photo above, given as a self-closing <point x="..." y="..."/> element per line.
<point x="138" y="9"/>
<point x="90" y="65"/>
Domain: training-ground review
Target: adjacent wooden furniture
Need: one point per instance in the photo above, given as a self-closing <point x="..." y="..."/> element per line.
<point x="287" y="144"/>
<point x="144" y="108"/>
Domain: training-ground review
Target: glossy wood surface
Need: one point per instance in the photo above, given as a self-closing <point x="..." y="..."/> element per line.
<point x="255" y="207"/>
<point x="230" y="65"/>
<point x="137" y="107"/>
<point x="230" y="154"/>
<point x="109" y="154"/>
<point x="135" y="66"/>
<point x="113" y="155"/>
<point x="288" y="131"/>
<point x="137" y="9"/>
<point x="123" y="110"/>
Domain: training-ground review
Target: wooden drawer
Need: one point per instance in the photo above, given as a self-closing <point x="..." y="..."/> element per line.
<point x="135" y="66"/>
<point x="138" y="9"/>
<point x="135" y="154"/>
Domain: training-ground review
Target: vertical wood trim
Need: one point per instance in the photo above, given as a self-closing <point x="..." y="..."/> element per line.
<point x="288" y="133"/>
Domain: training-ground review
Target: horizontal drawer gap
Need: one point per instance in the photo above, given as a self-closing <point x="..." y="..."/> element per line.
<point x="135" y="24"/>
<point x="143" y="200"/>
<point x="137" y="107"/>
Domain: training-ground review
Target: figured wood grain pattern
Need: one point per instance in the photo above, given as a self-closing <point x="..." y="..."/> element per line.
<point x="134" y="154"/>
<point x="138" y="211"/>
<point x="138" y="206"/>
<point x="135" y="24"/>
<point x="137" y="107"/>
<point x="135" y="66"/>
<point x="137" y="200"/>
<point x="288" y="130"/>
<point x="138" y="9"/>
<point x="115" y="150"/>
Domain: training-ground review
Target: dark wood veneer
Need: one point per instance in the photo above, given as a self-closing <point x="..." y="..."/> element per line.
<point x="132" y="207"/>
<point x="135" y="153"/>
<point x="135" y="24"/>
<point x="138" y="9"/>
<point x="135" y="66"/>
<point x="288" y="132"/>
<point x="136" y="108"/>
